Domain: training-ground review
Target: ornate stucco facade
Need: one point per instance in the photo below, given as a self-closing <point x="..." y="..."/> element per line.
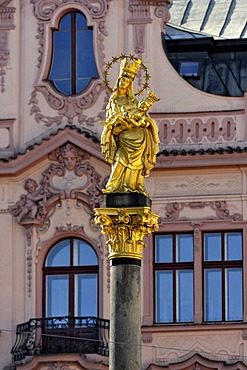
<point x="198" y="185"/>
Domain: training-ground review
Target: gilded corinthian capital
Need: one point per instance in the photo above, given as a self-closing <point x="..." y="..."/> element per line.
<point x="126" y="228"/>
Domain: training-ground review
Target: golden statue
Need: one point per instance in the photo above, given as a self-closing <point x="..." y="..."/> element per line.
<point x="130" y="137"/>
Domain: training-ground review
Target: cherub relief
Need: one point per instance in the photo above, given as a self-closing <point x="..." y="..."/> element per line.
<point x="28" y="203"/>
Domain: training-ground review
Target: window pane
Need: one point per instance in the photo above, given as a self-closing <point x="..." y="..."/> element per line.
<point x="59" y="255"/>
<point x="233" y="246"/>
<point x="61" y="63"/>
<point x="234" y="294"/>
<point x="81" y="84"/>
<point x="164" y="296"/>
<point x="85" y="62"/>
<point x="57" y="295"/>
<point x="85" y="55"/>
<point x="65" y="23"/>
<point x="213" y="295"/>
<point x="163" y="248"/>
<point x="184" y="282"/>
<point x="184" y="246"/>
<point x="86" y="295"/>
<point x="81" y="22"/>
<point x="212" y="247"/>
<point x="189" y="68"/>
<point x="84" y="254"/>
<point x="64" y="86"/>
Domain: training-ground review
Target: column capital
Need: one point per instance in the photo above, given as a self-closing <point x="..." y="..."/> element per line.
<point x="126" y="228"/>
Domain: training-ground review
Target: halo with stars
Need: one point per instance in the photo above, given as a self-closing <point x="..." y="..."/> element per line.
<point x="109" y="65"/>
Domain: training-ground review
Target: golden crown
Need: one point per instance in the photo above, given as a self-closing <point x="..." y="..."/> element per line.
<point x="152" y="97"/>
<point x="130" y="68"/>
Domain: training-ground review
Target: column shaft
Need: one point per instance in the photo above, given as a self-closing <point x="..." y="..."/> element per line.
<point x="125" y="327"/>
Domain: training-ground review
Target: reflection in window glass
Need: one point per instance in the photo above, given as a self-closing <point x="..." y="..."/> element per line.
<point x="213" y="294"/>
<point x="212" y="247"/>
<point x="65" y="23"/>
<point x="233" y="244"/>
<point x="57" y="298"/>
<point x="163" y="251"/>
<point x="59" y="255"/>
<point x="164" y="296"/>
<point x="184" y="248"/>
<point x="189" y="68"/>
<point x="86" y="295"/>
<point x="234" y="294"/>
<point x="184" y="296"/>
<point x="84" y="255"/>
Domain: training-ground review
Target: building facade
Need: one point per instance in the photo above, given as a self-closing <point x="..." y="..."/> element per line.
<point x="54" y="270"/>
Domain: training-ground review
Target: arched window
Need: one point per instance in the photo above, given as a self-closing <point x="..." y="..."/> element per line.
<point x="71" y="280"/>
<point x="73" y="64"/>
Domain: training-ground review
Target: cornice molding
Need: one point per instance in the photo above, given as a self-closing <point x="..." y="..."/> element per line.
<point x="37" y="153"/>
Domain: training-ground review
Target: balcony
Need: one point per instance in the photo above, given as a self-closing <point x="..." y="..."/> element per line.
<point x="65" y="334"/>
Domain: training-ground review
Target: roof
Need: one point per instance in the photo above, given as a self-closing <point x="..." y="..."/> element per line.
<point x="219" y="18"/>
<point x="39" y="147"/>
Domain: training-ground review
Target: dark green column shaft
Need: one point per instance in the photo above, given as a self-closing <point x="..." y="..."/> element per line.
<point x="125" y="318"/>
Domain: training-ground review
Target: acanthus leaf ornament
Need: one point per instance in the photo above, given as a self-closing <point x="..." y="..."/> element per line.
<point x="126" y="228"/>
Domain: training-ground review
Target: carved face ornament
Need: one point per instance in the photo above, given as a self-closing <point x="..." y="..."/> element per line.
<point x="70" y="159"/>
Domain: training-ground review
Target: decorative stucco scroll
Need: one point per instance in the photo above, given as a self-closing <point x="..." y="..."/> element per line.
<point x="69" y="108"/>
<point x="71" y="178"/>
<point x="29" y="257"/>
<point x="197" y="233"/>
<point x="221" y="212"/>
<point x="6" y="24"/>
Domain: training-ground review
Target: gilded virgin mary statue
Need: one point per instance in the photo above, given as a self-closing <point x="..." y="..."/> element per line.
<point x="129" y="139"/>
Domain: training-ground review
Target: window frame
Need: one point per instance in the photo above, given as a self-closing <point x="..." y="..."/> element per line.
<point x="74" y="33"/>
<point x="198" y="227"/>
<point x="173" y="266"/>
<point x="71" y="271"/>
<point x="64" y="106"/>
<point x="221" y="265"/>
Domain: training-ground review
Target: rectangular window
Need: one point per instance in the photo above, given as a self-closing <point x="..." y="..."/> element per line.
<point x="222" y="266"/>
<point x="189" y="68"/>
<point x="174" y="285"/>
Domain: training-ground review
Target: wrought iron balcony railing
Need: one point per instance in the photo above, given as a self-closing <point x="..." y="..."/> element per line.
<point x="61" y="335"/>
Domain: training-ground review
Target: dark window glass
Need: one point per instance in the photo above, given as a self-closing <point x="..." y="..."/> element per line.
<point x="189" y="68"/>
<point x="73" y="63"/>
<point x="223" y="290"/>
<point x="71" y="279"/>
<point x="174" y="292"/>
